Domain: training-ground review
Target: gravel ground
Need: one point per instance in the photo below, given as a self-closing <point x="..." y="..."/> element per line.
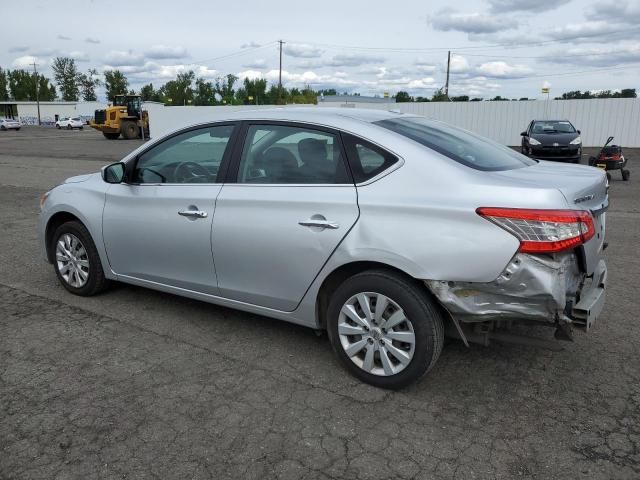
<point x="139" y="384"/>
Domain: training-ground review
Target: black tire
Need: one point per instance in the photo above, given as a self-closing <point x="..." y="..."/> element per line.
<point x="3" y="128"/>
<point x="625" y="175"/>
<point x="592" y="161"/>
<point x="129" y="130"/>
<point x="419" y="308"/>
<point x="81" y="128"/>
<point x="18" y="129"/>
<point x="608" y="176"/>
<point x="58" y="127"/>
<point x="96" y="281"/>
<point x="69" y="127"/>
<point x="111" y="136"/>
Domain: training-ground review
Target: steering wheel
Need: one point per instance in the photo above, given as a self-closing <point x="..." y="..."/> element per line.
<point x="190" y="172"/>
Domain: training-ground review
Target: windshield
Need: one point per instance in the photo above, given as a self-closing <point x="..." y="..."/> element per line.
<point x="460" y="145"/>
<point x="553" y="126"/>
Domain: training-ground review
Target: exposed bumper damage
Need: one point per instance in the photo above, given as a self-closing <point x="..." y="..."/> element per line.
<point x="547" y="289"/>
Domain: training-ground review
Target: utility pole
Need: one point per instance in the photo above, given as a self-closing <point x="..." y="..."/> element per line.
<point x="446" y="86"/>
<point x="35" y="77"/>
<point x="280" y="72"/>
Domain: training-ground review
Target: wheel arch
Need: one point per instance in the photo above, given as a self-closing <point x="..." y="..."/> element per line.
<point x="54" y="222"/>
<point x="334" y="279"/>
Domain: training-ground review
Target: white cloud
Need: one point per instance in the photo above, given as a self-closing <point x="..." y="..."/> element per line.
<point x="78" y="56"/>
<point x="459" y="64"/>
<point x="95" y="41"/>
<point x="427" y="83"/>
<point x="250" y="45"/>
<point x="618" y="10"/>
<point x="18" y="49"/>
<point x="255" y="64"/>
<point x="598" y="56"/>
<point x="63" y="37"/>
<point x="501" y="6"/>
<point x="353" y="60"/>
<point x="119" y="58"/>
<point x="587" y="31"/>
<point x="301" y="50"/>
<point x="448" y="19"/>
<point x="162" y="52"/>
<point x="25" y="62"/>
<point x="503" y="70"/>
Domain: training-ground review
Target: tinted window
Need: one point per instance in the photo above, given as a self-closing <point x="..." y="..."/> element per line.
<point x="286" y="154"/>
<point x="190" y="157"/>
<point x="366" y="160"/>
<point x="552" y="126"/>
<point x="464" y="147"/>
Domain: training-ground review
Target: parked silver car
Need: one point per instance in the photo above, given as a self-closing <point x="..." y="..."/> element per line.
<point x="386" y="230"/>
<point x="9" y="124"/>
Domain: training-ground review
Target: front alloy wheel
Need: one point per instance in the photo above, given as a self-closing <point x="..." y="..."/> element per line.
<point x="72" y="260"/>
<point x="376" y="334"/>
<point x="76" y="259"/>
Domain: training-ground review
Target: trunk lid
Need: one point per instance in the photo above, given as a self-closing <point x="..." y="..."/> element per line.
<point x="584" y="188"/>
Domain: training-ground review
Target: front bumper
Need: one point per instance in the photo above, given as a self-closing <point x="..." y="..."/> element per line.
<point x="548" y="290"/>
<point x="555" y="153"/>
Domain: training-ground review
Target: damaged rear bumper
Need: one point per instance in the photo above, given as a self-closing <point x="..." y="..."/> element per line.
<point x="549" y="290"/>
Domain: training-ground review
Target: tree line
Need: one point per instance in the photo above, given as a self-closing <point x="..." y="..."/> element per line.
<point x="440" y="96"/>
<point x="187" y="89"/>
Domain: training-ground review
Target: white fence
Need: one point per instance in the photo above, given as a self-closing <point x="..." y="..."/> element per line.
<point x="501" y="121"/>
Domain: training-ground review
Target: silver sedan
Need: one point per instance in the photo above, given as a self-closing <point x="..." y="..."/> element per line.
<point x="386" y="230"/>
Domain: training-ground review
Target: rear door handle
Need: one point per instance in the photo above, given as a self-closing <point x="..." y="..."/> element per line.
<point x="193" y="213"/>
<point x="319" y="223"/>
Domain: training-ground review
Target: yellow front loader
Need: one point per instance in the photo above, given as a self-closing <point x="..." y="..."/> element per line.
<point x="124" y="117"/>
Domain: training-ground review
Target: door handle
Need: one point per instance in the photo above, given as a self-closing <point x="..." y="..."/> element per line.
<point x="193" y="213"/>
<point x="319" y="223"/>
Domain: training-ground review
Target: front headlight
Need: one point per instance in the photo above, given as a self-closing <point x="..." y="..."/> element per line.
<point x="576" y="141"/>
<point x="533" y="141"/>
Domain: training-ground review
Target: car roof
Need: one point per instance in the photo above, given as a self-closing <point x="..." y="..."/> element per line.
<point x="316" y="114"/>
<point x="552" y="121"/>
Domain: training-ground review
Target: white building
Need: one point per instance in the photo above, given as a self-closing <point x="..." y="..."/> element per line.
<point x="27" y="112"/>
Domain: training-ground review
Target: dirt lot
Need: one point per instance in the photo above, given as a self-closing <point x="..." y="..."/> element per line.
<point x="138" y="384"/>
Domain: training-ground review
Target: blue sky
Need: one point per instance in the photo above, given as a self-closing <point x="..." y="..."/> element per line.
<point x="506" y="47"/>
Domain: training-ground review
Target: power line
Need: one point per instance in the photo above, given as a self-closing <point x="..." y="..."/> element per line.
<point x="560" y="55"/>
<point x="569" y="73"/>
<point x="468" y="47"/>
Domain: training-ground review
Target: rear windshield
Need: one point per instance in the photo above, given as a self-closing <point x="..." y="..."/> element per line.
<point x="460" y="145"/>
<point x="553" y="126"/>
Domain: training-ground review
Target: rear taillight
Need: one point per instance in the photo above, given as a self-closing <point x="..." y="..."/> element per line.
<point x="543" y="231"/>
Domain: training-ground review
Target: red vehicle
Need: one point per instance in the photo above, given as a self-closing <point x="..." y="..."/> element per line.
<point x="611" y="158"/>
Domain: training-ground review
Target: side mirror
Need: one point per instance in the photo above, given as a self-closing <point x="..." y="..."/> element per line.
<point x="523" y="134"/>
<point x="578" y="132"/>
<point x="113" y="173"/>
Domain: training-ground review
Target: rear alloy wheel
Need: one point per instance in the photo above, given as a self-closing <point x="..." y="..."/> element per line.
<point x="385" y="329"/>
<point x="129" y="130"/>
<point x="76" y="260"/>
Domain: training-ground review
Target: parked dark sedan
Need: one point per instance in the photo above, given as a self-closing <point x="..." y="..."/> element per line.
<point x="552" y="140"/>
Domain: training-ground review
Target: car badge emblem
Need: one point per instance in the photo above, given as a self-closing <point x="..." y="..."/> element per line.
<point x="556" y="144"/>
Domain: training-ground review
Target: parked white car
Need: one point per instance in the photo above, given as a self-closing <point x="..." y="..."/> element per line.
<point x="70" y="123"/>
<point x="9" y="124"/>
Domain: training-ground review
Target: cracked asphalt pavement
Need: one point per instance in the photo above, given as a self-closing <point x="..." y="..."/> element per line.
<point x="139" y="384"/>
